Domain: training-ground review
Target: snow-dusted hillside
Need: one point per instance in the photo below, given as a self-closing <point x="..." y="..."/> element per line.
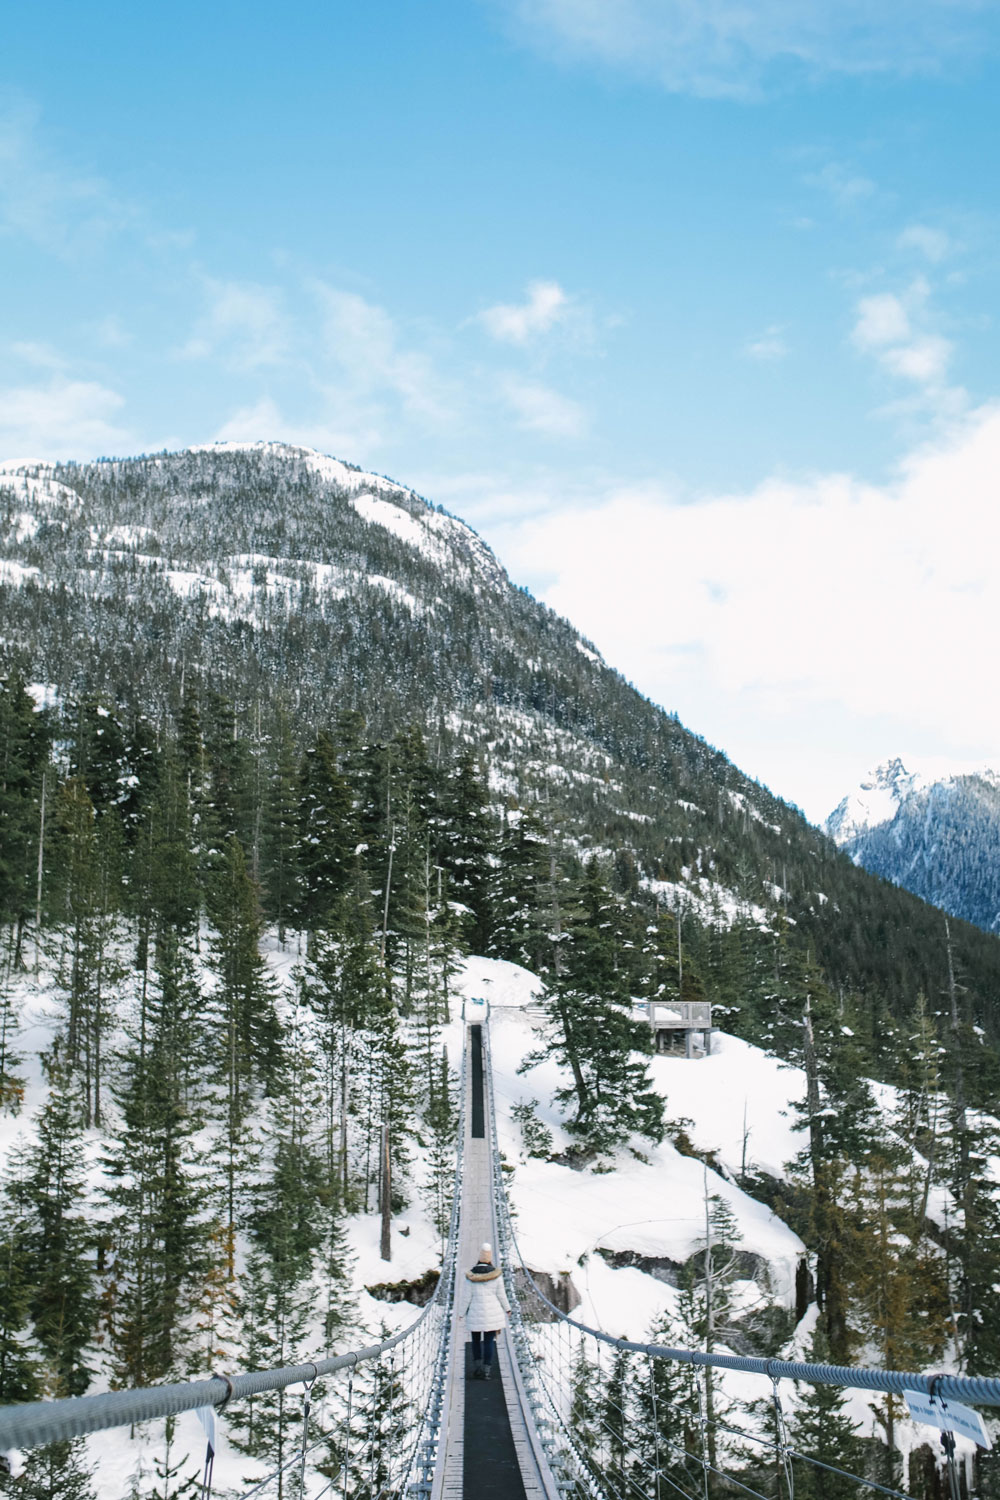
<point x="932" y="826"/>
<point x="649" y="1209"/>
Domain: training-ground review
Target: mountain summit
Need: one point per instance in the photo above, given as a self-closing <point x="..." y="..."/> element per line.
<point x="932" y="827"/>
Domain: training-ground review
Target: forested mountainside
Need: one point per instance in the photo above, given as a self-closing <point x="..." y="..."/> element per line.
<point x="260" y="709"/>
<point x="296" y="588"/>
<point x="932" y="830"/>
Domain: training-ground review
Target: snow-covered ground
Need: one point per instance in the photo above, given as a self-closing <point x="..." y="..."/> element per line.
<point x="736" y="1104"/>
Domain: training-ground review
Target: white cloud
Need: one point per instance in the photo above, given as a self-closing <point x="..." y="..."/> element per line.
<point x="41" y="356"/>
<point x="261" y="421"/>
<point x="545" y="305"/>
<point x="934" y="244"/>
<point x="338" y="429"/>
<point x="363" y="342"/>
<point x="845" y="187"/>
<point x="881" y="320"/>
<point x="717" y="48"/>
<point x="769" y="347"/>
<point x="757" y="614"/>
<point x="888" y="326"/>
<point x="538" y="408"/>
<point x="923" y="360"/>
<point x="64" y="419"/>
<point x="63" y="210"/>
<point x="244" y="326"/>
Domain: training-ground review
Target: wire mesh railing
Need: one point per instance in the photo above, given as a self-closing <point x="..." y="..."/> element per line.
<point x="367" y="1425"/>
<point x="622" y="1419"/>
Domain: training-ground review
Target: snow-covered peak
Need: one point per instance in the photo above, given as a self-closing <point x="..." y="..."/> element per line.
<point x="345" y="476"/>
<point x="878" y="797"/>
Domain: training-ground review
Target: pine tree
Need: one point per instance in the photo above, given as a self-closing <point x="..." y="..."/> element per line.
<point x="820" y="1428"/>
<point x="249" y="1040"/>
<point x="92" y="849"/>
<point x="279" y="871"/>
<point x="593" y="1032"/>
<point x="466" y="847"/>
<point x="441" y="1118"/>
<point x="668" y="1413"/>
<point x="19" y="1374"/>
<point x="327" y="836"/>
<point x="286" y="1232"/>
<point x="24" y="756"/>
<point x="520" y="922"/>
<point x="158" y="1233"/>
<point x="57" y="1239"/>
<point x="55" y="1471"/>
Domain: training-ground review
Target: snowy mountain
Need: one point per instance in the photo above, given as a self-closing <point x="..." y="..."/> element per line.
<point x="932" y="827"/>
<point x="300" y="588"/>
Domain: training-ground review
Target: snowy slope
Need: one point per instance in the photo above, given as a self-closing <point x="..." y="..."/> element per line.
<point x="737" y="1104"/>
<point x="931" y="826"/>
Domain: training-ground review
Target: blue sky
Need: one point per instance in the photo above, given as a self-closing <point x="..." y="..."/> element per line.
<point x="694" y="320"/>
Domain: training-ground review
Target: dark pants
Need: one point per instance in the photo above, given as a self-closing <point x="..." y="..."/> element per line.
<point x="483" y="1345"/>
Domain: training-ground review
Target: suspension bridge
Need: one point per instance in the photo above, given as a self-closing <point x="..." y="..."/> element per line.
<point x="401" y="1420"/>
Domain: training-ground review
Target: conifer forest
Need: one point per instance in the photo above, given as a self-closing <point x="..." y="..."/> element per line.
<point x="251" y="826"/>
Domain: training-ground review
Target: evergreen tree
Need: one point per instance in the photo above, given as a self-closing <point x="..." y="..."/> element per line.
<point x="327" y="836"/>
<point x="279" y="871"/>
<point x="820" y="1428"/>
<point x="158" y="1234"/>
<point x="55" y="1471"/>
<point x="518" y="903"/>
<point x="593" y="1032"/>
<point x="668" y="1414"/>
<point x="56" y="1237"/>
<point x="286" y="1231"/>
<point x="24" y="758"/>
<point x="466" y="846"/>
<point x="19" y="1374"/>
<point x="92" y="852"/>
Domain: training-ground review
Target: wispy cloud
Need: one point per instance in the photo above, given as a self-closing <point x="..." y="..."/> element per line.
<point x="717" y="48"/>
<point x="363" y="342"/>
<point x="769" y="347"/>
<point x="846" y="187"/>
<point x="63" y="419"/>
<point x="538" y="408"/>
<point x="933" y="244"/>
<point x="244" y="325"/>
<point x="894" y="329"/>
<point x="545" y="306"/>
<point x="62" y="209"/>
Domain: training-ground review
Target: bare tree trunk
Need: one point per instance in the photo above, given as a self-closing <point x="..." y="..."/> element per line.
<point x="385" y="1245"/>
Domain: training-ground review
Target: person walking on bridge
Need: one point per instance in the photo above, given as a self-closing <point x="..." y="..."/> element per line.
<point x="486" y="1309"/>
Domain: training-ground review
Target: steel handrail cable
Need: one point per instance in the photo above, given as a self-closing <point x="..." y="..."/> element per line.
<point x="586" y="1477"/>
<point x="817" y="1463"/>
<point x="979" y="1390"/>
<point x="29" y="1424"/>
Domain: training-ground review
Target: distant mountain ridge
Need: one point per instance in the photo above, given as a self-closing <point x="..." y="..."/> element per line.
<point x="932" y="828"/>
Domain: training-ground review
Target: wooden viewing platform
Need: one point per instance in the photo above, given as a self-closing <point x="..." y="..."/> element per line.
<point x="680" y="1025"/>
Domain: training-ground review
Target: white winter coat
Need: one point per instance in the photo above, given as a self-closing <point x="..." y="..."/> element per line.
<point x="486" y="1306"/>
